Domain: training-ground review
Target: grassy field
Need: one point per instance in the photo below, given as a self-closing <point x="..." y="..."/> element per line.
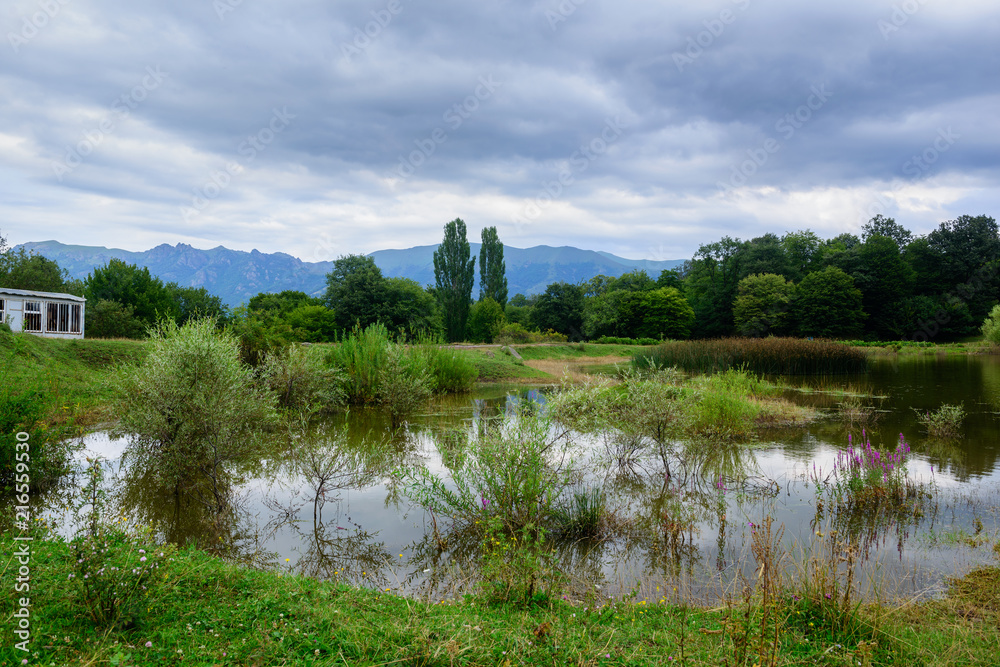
<point x="204" y="611"/>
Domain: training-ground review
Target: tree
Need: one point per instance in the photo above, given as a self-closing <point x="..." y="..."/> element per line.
<point x="560" y="309"/>
<point x="195" y="302"/>
<point x="884" y="278"/>
<point x="710" y="285"/>
<point x="28" y="271"/>
<point x="801" y="249"/>
<point x="766" y="254"/>
<point x="991" y="326"/>
<point x="410" y="310"/>
<point x="887" y="227"/>
<point x="671" y="278"/>
<point x="761" y="309"/>
<point x="454" y="275"/>
<point x="665" y="314"/>
<point x="486" y="318"/>
<point x="492" y="269"/>
<point x="110" y="319"/>
<point x="355" y="291"/>
<point x="312" y="324"/>
<point x="828" y="305"/>
<point x="133" y="287"/>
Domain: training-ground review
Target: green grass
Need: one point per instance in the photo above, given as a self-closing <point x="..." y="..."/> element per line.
<point x="207" y="611"/>
<point x="71" y="371"/>
<point x="574" y="351"/>
<point x="502" y="367"/>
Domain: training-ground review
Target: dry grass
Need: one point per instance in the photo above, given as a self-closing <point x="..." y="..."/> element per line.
<point x="571" y="370"/>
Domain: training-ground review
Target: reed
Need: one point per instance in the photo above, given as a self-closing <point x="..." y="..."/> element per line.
<point x="776" y="356"/>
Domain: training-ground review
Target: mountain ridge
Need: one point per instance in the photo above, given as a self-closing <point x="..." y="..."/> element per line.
<point x="237" y="275"/>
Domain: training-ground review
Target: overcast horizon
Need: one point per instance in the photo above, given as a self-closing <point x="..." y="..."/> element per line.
<point x="642" y="129"/>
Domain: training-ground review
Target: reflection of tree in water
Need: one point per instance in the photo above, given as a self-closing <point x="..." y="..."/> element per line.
<point x="182" y="517"/>
<point x="326" y="460"/>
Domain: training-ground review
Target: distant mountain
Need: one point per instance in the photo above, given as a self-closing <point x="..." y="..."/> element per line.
<point x="236" y="275"/>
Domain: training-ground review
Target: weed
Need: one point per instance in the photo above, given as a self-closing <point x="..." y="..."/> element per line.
<point x="945" y="422"/>
<point x="778" y="356"/>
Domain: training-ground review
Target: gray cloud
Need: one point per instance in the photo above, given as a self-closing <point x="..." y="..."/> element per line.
<point x="699" y="88"/>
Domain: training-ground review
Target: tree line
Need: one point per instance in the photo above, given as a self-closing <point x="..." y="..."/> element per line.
<point x="886" y="284"/>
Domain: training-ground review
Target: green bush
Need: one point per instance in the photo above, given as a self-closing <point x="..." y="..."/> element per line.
<point x="581" y="515"/>
<point x="361" y="355"/>
<point x="301" y="379"/>
<point x="945" y="422"/>
<point x="405" y="384"/>
<point x="191" y="411"/>
<point x="991" y="326"/>
<point x="452" y="372"/>
<point x="24" y="406"/>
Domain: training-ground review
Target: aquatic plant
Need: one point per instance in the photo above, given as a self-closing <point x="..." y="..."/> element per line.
<point x="779" y="356"/>
<point x="867" y="478"/>
<point x="945" y="422"/>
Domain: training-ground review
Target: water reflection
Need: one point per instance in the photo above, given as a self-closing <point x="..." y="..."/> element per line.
<point x="329" y="499"/>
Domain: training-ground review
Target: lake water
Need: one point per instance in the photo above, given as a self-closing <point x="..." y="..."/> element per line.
<point x="688" y="537"/>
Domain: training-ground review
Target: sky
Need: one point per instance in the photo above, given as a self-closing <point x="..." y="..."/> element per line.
<point x="645" y="129"/>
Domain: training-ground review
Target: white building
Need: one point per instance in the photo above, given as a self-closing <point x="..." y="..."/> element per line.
<point x="44" y="313"/>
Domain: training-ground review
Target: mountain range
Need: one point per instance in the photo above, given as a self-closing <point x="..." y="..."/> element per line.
<point x="237" y="275"/>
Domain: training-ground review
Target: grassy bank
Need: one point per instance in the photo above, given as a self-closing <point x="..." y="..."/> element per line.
<point x="69" y="372"/>
<point x="208" y="612"/>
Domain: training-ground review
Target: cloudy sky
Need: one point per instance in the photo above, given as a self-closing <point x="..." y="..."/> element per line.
<point x="641" y="128"/>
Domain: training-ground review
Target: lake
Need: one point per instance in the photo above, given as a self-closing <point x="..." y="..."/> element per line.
<point x="687" y="537"/>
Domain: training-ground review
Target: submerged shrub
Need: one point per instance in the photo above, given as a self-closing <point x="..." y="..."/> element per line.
<point x="404" y="384"/>
<point x="191" y="410"/>
<point x="361" y="355"/>
<point x="769" y="356"/>
<point x="301" y="379"/>
<point x="945" y="422"/>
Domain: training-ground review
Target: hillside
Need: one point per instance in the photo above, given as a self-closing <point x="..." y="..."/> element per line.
<point x="236" y="275"/>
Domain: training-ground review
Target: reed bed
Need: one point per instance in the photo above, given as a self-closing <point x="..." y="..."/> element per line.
<point x="775" y="356"/>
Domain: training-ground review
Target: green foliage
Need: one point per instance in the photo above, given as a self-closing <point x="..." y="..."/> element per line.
<point x="648" y="313"/>
<point x="361" y="355"/>
<point x="133" y="287"/>
<point x="486" y="319"/>
<point x="769" y="356"/>
<point x="355" y="291"/>
<point x="581" y="515"/>
<point x="560" y="309"/>
<point x="888" y="228"/>
<point x="410" y="310"/>
<point x="25" y="404"/>
<point x="451" y="372"/>
<point x="258" y="333"/>
<point x="111" y="319"/>
<point x="991" y="326"/>
<point x="301" y="379"/>
<point x="945" y="422"/>
<point x="712" y="278"/>
<point x="869" y="481"/>
<point x="29" y="271"/>
<point x="828" y="305"/>
<point x="191" y="410"/>
<point x="761" y="309"/>
<point x="404" y="385"/>
<point x="194" y="302"/>
<point x="616" y="340"/>
<point x="454" y="275"/>
<point x="312" y="324"/>
<point x="885" y="279"/>
<point x="518" y="568"/>
<point x="514" y="472"/>
<point x="492" y="269"/>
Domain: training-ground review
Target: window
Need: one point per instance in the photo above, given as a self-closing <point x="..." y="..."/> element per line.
<point x="74" y="319"/>
<point x="3" y="313"/>
<point x="52" y="317"/>
<point x="33" y="316"/>
<point x="62" y="318"/>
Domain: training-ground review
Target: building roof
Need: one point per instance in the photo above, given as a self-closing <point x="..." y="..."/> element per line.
<point x="40" y="295"/>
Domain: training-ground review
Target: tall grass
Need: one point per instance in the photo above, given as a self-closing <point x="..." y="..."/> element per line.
<point x="778" y="356"/>
<point x="452" y="372"/>
<point x="362" y="354"/>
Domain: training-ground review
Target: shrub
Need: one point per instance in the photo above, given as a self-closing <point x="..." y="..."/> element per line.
<point x="362" y="354"/>
<point x="991" y="326"/>
<point x="514" y="334"/>
<point x="779" y="356"/>
<point x="452" y="372"/>
<point x="301" y="379"/>
<point x="867" y="479"/>
<point x="486" y="318"/>
<point x="945" y="422"/>
<point x="24" y="405"/>
<point x="404" y="384"/>
<point x="514" y="471"/>
<point x="518" y="568"/>
<point x="191" y="410"/>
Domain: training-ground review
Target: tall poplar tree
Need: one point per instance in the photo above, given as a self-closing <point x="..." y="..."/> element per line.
<point x="492" y="270"/>
<point x="454" y="275"/>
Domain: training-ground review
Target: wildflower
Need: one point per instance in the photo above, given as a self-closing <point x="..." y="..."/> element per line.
<point x="149" y="644"/>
